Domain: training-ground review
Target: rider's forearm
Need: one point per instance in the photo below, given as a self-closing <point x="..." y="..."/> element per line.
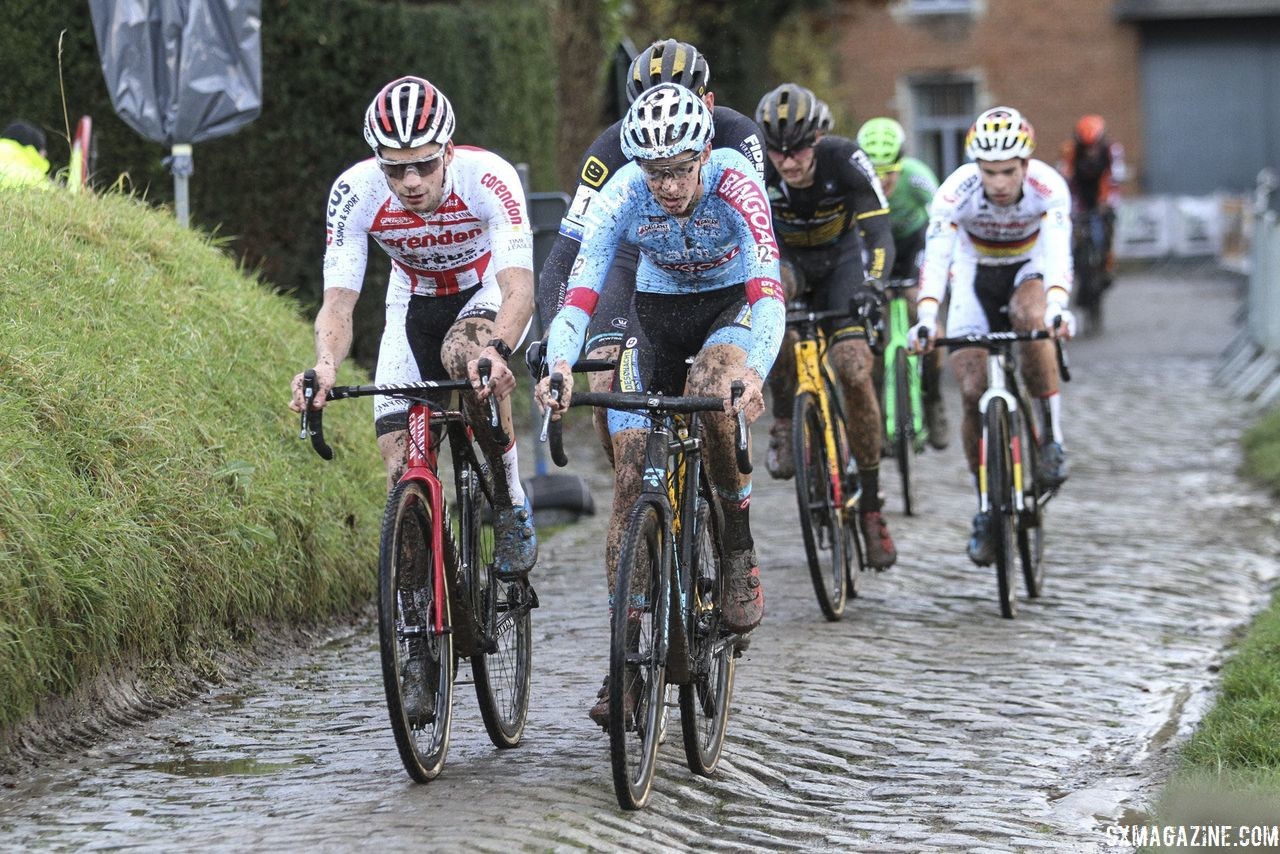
<point x="768" y="324"/>
<point x="516" y="284"/>
<point x="333" y="332"/>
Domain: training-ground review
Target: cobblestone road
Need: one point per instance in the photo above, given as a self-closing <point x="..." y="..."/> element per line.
<point x="923" y="721"/>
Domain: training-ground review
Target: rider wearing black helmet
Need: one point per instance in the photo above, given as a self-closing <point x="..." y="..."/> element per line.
<point x="828" y="208"/>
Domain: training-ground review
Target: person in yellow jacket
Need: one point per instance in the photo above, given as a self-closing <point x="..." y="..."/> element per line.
<point x="22" y="156"/>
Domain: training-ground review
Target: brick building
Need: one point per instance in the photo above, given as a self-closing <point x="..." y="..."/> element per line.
<point x="1191" y="87"/>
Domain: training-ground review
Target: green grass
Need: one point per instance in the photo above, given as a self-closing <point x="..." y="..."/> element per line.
<point x="1230" y="768"/>
<point x="153" y="492"/>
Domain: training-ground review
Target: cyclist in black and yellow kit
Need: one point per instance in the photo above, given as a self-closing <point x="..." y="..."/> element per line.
<point x="828" y="208"/>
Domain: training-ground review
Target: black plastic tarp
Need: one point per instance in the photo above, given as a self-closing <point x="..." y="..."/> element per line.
<point x="181" y="71"/>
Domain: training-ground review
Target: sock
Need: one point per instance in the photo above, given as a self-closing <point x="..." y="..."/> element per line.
<point x="869" y="480"/>
<point x="1051" y="414"/>
<point x="977" y="493"/>
<point x="737" y="522"/>
<point x="512" y="467"/>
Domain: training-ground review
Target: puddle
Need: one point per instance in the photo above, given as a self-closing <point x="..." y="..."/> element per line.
<point x="193" y="768"/>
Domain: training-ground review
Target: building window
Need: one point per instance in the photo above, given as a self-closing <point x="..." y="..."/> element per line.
<point x="943" y="112"/>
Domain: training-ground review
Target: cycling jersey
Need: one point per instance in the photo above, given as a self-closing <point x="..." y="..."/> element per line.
<point x="604" y="158"/>
<point x="726" y="241"/>
<point x="481" y="227"/>
<point x="966" y="231"/>
<point x="910" y="200"/>
<point x="1092" y="172"/>
<point x="845" y="195"/>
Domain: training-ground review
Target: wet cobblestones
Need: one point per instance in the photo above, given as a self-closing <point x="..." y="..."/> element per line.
<point x="923" y="721"/>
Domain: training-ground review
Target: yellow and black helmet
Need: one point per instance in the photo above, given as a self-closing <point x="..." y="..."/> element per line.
<point x="790" y="117"/>
<point x="668" y="61"/>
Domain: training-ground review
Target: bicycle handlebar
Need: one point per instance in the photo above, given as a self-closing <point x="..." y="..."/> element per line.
<point x="1003" y="340"/>
<point x="553" y="432"/>
<point x="312" y="420"/>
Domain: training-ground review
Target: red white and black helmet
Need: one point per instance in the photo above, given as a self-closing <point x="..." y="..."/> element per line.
<point x="407" y="113"/>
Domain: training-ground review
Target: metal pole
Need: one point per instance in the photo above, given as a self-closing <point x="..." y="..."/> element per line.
<point x="182" y="166"/>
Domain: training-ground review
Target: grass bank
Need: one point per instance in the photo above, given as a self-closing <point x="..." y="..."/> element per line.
<point x="154" y="497"/>
<point x="1230" y="769"/>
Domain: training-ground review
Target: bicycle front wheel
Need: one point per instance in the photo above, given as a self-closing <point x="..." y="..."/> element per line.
<point x="904" y="425"/>
<point x="1031" y="524"/>
<point x="637" y="653"/>
<point x="704" y="702"/>
<point x="503" y="664"/>
<point x="417" y="657"/>
<point x="821" y="521"/>
<point x="1000" y="497"/>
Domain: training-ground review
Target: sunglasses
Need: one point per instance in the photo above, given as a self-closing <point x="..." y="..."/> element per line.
<point x="791" y="153"/>
<point x="398" y="169"/>
<point x="677" y="171"/>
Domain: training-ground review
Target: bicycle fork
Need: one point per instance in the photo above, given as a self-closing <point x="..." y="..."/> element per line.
<point x="996" y="388"/>
<point x="809" y="379"/>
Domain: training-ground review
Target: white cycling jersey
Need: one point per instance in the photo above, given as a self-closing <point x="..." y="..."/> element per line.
<point x="481" y="227"/>
<point x="966" y="230"/>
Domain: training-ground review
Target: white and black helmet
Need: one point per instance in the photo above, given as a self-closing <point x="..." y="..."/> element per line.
<point x="406" y="113"/>
<point x="664" y="121"/>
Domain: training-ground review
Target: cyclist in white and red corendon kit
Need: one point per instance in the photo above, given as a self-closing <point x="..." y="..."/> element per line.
<point x="1000" y="229"/>
<point x="453" y="221"/>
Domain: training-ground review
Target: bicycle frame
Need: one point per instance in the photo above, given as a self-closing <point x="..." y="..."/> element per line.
<point x="899" y="328"/>
<point x="422" y="462"/>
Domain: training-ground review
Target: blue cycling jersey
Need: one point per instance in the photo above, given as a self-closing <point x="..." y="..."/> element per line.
<point x="726" y="241"/>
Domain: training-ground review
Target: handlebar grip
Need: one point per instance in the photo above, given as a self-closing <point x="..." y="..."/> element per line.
<point x="554" y="428"/>
<point x="741" y="448"/>
<point x="312" y="419"/>
<point x="485" y="368"/>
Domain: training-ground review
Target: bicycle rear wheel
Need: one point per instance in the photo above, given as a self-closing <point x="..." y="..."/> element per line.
<point x="1031" y="523"/>
<point x="637" y="653"/>
<point x="503" y="664"/>
<point x="821" y="522"/>
<point x="1000" y="496"/>
<point x="704" y="703"/>
<point x="416" y="660"/>
<point x="904" y="425"/>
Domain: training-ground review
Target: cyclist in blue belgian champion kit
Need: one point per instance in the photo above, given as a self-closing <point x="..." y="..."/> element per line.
<point x="666" y="61"/>
<point x="829" y="210"/>
<point x="706" y="287"/>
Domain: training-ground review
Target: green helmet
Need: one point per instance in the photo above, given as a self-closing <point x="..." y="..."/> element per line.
<point x="881" y="138"/>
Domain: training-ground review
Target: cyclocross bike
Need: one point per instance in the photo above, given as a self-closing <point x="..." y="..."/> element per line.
<point x="826" y="475"/>
<point x="1087" y="230"/>
<point x="901" y="398"/>
<point x="1009" y="462"/>
<point x="440" y="598"/>
<point x="666" y="620"/>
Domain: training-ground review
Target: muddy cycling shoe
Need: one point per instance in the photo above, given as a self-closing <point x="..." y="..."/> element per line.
<point x="935" y="421"/>
<point x="780" y="460"/>
<point x="600" y="711"/>
<point x="881" y="553"/>
<point x="418" y="692"/>
<point x="516" y="549"/>
<point x="1053" y="464"/>
<point x="982" y="547"/>
<point x="743" y="605"/>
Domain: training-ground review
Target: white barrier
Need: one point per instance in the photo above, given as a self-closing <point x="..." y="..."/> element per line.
<point x="1179" y="226"/>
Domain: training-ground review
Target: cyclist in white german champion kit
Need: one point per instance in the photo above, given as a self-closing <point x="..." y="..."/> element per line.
<point x="453" y="220"/>
<point x="1000" y="229"/>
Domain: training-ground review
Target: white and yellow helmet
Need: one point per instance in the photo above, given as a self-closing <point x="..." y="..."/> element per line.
<point x="1001" y="133"/>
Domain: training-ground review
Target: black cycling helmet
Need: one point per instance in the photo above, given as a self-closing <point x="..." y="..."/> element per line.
<point x="668" y="61"/>
<point x="789" y="116"/>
